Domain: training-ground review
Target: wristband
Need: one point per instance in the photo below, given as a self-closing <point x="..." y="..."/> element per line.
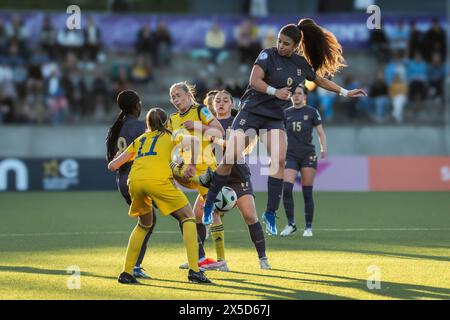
<point x="271" y="90"/>
<point x="343" y="92"/>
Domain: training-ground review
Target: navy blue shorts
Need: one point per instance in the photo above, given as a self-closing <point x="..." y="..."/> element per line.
<point x="123" y="188"/>
<point x="241" y="188"/>
<point x="296" y="163"/>
<point x="246" y="120"/>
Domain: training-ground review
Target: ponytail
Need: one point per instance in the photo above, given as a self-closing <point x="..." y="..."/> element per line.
<point x="128" y="102"/>
<point x="320" y="48"/>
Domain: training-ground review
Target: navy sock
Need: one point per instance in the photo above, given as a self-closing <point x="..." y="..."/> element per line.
<point x="309" y="205"/>
<point x="257" y="236"/>
<point x="201" y="232"/>
<point x="288" y="201"/>
<point x="274" y="190"/>
<point x="144" y="245"/>
<point x="218" y="181"/>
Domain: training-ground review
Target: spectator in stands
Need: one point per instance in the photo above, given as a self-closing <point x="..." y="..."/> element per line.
<point x="141" y="71"/>
<point x="436" y="76"/>
<point x="70" y="41"/>
<point x="248" y="44"/>
<point x="47" y="38"/>
<point x="435" y="40"/>
<point x="92" y="36"/>
<point x="415" y="43"/>
<point x="379" y="44"/>
<point x="75" y="89"/>
<point x="100" y="94"/>
<point x="326" y="100"/>
<point x="57" y="103"/>
<point x="215" y="41"/>
<point x="417" y="75"/>
<point x="234" y="88"/>
<point x="379" y="95"/>
<point x="163" y="42"/>
<point x="398" y="92"/>
<point x="399" y="38"/>
<point x="121" y="80"/>
<point x="145" y="43"/>
<point x="4" y="40"/>
<point x="19" y="33"/>
<point x="396" y="66"/>
<point x="270" y="40"/>
<point x="6" y="107"/>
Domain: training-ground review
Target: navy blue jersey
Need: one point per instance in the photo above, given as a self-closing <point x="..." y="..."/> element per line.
<point x="239" y="172"/>
<point x="131" y="129"/>
<point x="279" y="72"/>
<point x="299" y="123"/>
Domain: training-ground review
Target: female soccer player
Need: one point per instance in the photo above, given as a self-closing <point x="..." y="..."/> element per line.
<point x="123" y="132"/>
<point x="240" y="182"/>
<point x="300" y="120"/>
<point x="195" y="119"/>
<point x="275" y="75"/>
<point x="150" y="181"/>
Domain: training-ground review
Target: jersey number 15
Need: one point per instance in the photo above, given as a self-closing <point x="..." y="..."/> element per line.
<point x="297" y="126"/>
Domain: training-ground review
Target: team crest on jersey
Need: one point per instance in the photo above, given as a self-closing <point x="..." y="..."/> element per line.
<point x="299" y="72"/>
<point x="263" y="56"/>
<point x="305" y="117"/>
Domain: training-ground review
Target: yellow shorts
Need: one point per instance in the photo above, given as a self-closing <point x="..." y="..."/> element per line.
<point x="164" y="194"/>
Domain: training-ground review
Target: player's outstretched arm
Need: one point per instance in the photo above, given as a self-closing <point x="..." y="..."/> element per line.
<point x="115" y="164"/>
<point x="331" y="86"/>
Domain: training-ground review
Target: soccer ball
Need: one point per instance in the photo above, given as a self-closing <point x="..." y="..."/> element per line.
<point x="225" y="200"/>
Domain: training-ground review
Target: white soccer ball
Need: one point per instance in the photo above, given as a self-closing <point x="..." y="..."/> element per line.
<point x="225" y="200"/>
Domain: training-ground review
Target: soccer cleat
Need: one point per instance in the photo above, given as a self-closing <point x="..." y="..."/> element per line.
<point x="308" y="232"/>
<point x="127" y="278"/>
<point x="289" y="229"/>
<point x="184" y="266"/>
<point x="264" y="263"/>
<point x="224" y="268"/>
<point x="205" y="264"/>
<point x="206" y="178"/>
<point x="197" y="277"/>
<point x="211" y="264"/>
<point x="269" y="219"/>
<point x="138" y="272"/>
<point x="207" y="218"/>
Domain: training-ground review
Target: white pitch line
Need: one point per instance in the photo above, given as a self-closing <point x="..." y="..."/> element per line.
<point x="18" y="235"/>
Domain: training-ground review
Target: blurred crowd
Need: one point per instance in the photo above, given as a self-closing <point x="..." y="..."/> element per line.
<point x="71" y="78"/>
<point x="66" y="78"/>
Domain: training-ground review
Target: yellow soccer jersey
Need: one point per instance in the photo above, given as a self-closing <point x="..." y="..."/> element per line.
<point x="196" y="113"/>
<point x="152" y="154"/>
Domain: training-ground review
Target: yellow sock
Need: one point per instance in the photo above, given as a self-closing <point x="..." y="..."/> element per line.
<point x="190" y="242"/>
<point x="218" y="236"/>
<point x="134" y="248"/>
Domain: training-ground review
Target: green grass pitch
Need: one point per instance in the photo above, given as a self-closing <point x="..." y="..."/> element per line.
<point x="405" y="236"/>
